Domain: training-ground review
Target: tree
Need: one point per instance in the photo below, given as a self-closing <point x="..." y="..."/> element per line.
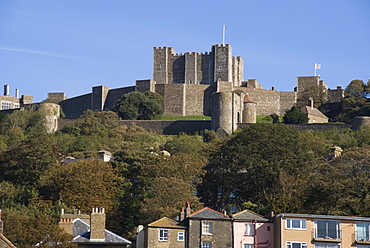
<point x="25" y="164"/>
<point x="82" y="184"/>
<point x="268" y="165"/>
<point x="342" y="186"/>
<point x="29" y="227"/>
<point x="295" y="116"/>
<point x="136" y="105"/>
<point x="318" y="93"/>
<point x="355" y="100"/>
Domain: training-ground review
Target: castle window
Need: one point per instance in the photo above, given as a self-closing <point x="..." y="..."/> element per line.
<point x="176" y="66"/>
<point x="220" y="67"/>
<point x="160" y="66"/>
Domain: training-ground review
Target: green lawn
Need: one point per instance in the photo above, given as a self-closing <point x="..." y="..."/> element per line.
<point x="187" y="118"/>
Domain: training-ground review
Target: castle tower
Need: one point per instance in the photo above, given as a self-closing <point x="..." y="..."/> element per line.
<point x="162" y="65"/>
<point x="222" y="116"/>
<point x="249" y="110"/>
<point x="97" y="224"/>
<point x="223" y="62"/>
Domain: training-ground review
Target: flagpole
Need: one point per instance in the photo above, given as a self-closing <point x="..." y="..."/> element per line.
<point x="315" y="70"/>
<point x="223" y="35"/>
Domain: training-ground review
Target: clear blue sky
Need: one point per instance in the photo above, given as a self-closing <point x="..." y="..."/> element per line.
<point x="72" y="45"/>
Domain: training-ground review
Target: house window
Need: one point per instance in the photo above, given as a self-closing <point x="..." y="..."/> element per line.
<point x="206" y="245"/>
<point x="249" y="229"/>
<point x="180" y="236"/>
<point x="327" y="229"/>
<point x="293" y="244"/>
<point x="268" y="228"/>
<point x="5" y="105"/>
<point x="207" y="228"/>
<point x="296" y="224"/>
<point x="363" y="231"/>
<point x="326" y="245"/>
<point x="247" y="246"/>
<point x="163" y="235"/>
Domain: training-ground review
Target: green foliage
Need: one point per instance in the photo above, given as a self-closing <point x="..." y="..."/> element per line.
<point x="264" y="119"/>
<point x="28" y="227"/>
<point x="355" y="101"/>
<point x="182" y="118"/>
<point x="139" y="106"/>
<point x="295" y="116"/>
<point x="265" y="164"/>
<point x="275" y="118"/>
<point x="318" y="93"/>
<point x="184" y="144"/>
<point x="81" y="184"/>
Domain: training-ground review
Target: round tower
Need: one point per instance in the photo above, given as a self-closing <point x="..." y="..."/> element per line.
<point x="222" y="117"/>
<point x="360" y="121"/>
<point x="249" y="110"/>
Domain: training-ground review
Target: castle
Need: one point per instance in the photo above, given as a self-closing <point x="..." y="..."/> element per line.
<point x="200" y="84"/>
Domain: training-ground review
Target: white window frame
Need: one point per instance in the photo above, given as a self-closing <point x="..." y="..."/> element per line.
<point x="289" y="244"/>
<point x="337" y="229"/>
<point x="180" y="236"/>
<point x="6" y="105"/>
<point x="206" y="245"/>
<point x="207" y="228"/>
<point x="326" y="245"/>
<point x="163" y="235"/>
<point x="367" y="227"/>
<point x="249" y="229"/>
<point x="302" y="224"/>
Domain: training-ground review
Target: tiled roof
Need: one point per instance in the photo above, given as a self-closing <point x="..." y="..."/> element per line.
<point x="5" y="243"/>
<point x="166" y="222"/>
<point x="81" y="231"/>
<point x="248" y="98"/>
<point x="248" y="215"/>
<point x="313" y="111"/>
<point x="207" y="213"/>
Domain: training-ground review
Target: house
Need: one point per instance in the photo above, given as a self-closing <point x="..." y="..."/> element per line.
<point x="321" y="231"/>
<point x="208" y="228"/>
<point x="163" y="233"/>
<point x="4" y="242"/>
<point x="91" y="233"/>
<point x="252" y="230"/>
<point x="314" y="115"/>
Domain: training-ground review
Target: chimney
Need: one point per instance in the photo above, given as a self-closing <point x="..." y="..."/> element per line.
<point x="66" y="224"/>
<point x="310" y="102"/>
<point x="97" y="224"/>
<point x="17" y="93"/>
<point x="6" y="89"/>
<point x="182" y="214"/>
<point x="1" y="223"/>
<point x="188" y="209"/>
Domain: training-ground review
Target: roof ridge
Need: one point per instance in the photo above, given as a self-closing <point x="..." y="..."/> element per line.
<point x="205" y="208"/>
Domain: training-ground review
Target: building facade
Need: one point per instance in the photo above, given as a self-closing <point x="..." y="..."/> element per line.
<point x="321" y="231"/>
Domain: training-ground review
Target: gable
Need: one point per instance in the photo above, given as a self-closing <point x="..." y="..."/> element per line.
<point x="207" y="213"/>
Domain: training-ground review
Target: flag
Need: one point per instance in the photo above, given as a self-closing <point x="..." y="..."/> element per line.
<point x="225" y="27"/>
<point x="317" y="66"/>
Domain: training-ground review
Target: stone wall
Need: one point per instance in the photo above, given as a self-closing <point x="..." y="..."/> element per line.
<point x="73" y="108"/>
<point x="114" y="95"/>
<point x="287" y="100"/>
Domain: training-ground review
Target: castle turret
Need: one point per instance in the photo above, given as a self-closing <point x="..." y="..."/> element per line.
<point x="222" y="117"/>
<point x="249" y="110"/>
<point x="162" y="64"/>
